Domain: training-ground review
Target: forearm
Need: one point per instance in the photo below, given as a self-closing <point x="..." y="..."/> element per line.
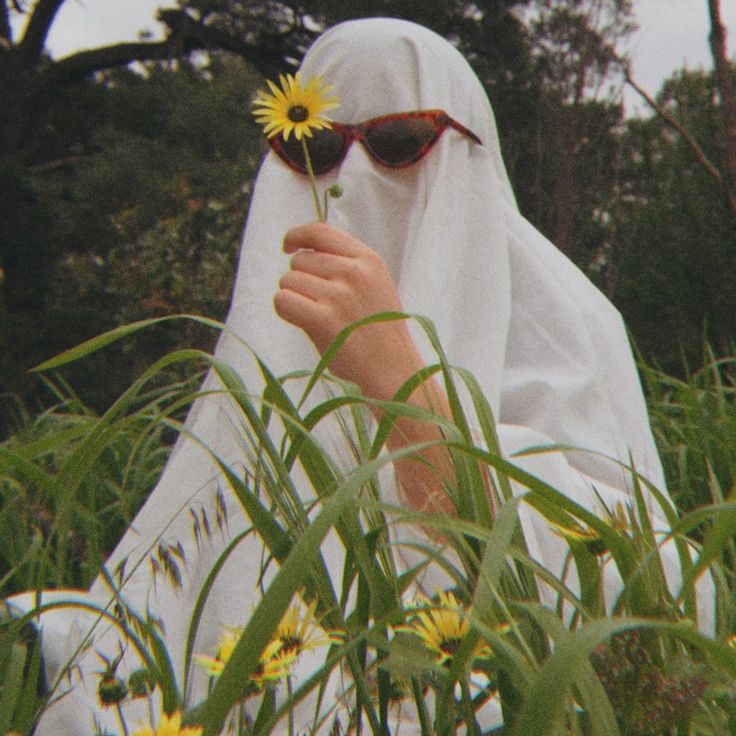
<point x="424" y="477"/>
<point x="334" y="281"/>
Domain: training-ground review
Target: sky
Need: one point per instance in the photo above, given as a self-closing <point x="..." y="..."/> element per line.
<point x="672" y="33"/>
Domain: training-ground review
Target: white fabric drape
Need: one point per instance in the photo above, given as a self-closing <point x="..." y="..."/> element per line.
<point x="549" y="350"/>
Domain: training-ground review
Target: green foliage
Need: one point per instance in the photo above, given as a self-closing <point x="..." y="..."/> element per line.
<point x="70" y="484"/>
<point x="581" y="672"/>
<point x="671" y="267"/>
<point x="694" y="420"/>
<point x="695" y="423"/>
<point x="20" y="674"/>
<point x="159" y="183"/>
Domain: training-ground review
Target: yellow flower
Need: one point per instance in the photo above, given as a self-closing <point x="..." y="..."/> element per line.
<point x="170" y="726"/>
<point x="225" y="645"/>
<point x="274" y="664"/>
<point x="442" y="627"/>
<point x="296" y="107"/>
<point x="300" y="632"/>
<point x="575" y="532"/>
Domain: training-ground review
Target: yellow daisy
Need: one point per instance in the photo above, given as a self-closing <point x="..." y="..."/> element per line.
<point x="274" y="664"/>
<point x="442" y="627"/>
<point x="575" y="532"/>
<point x="296" y="107"/>
<point x="299" y="631"/>
<point x="170" y="726"/>
<point x="225" y="645"/>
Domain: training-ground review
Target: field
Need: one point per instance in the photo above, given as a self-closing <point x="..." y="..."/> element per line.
<point x="71" y="482"/>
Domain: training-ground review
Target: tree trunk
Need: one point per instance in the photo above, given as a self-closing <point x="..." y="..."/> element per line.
<point x="564" y="196"/>
<point x="724" y="81"/>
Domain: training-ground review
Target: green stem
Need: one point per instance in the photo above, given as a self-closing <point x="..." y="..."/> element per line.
<point x="121" y="719"/>
<point x="312" y="181"/>
<point x="150" y="708"/>
<point x="288" y="679"/>
<point x="471" y="724"/>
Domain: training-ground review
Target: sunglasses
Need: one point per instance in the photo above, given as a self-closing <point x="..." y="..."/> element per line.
<point x="395" y="141"/>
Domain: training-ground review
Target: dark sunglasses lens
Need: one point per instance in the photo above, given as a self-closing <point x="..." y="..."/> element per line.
<point x="402" y="141"/>
<point x="326" y="148"/>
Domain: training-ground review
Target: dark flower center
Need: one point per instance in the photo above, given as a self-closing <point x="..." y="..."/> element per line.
<point x="450" y="646"/>
<point x="290" y="643"/>
<point x="297" y="113"/>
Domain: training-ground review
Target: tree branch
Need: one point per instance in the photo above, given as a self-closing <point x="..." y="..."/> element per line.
<point x="699" y="153"/>
<point x="61" y="163"/>
<point x="673" y="122"/>
<point x="724" y="81"/>
<point x="186" y="36"/>
<point x="34" y="39"/>
<point x="268" y="55"/>
<point x="83" y="63"/>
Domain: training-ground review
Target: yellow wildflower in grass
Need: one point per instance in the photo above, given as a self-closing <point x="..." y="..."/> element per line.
<point x="296" y="107"/>
<point x="274" y="664"/>
<point x="442" y="626"/>
<point x="575" y="532"/>
<point x="299" y="631"/>
<point x="225" y="645"/>
<point x="170" y="726"/>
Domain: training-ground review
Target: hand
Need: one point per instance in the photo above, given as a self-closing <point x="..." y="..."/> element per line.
<point x="335" y="280"/>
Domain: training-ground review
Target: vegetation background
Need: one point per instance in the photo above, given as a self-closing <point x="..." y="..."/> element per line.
<point x="125" y="185"/>
<point x="125" y="173"/>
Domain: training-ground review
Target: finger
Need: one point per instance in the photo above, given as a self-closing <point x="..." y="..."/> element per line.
<point x="300" y="311"/>
<point x="324" y="265"/>
<point x="321" y="237"/>
<point x="305" y="284"/>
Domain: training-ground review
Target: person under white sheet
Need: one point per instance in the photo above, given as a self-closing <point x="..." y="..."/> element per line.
<point x="441" y="238"/>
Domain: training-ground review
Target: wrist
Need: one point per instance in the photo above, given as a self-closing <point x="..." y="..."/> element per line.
<point x="383" y="379"/>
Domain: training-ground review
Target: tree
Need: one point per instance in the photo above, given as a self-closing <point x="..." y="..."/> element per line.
<point x="146" y="221"/>
<point x="29" y="77"/>
<point x="31" y="83"/>
<point x="725" y="86"/>
<point x="576" y="50"/>
<point x="674" y="247"/>
<point x="722" y="166"/>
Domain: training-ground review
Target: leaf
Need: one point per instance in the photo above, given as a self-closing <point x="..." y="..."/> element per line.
<point x="108" y="338"/>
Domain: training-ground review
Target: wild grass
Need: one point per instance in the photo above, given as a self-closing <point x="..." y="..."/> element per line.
<point x="66" y="498"/>
<point x="555" y="656"/>
<point x="694" y="421"/>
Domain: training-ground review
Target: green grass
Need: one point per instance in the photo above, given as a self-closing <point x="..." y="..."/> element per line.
<point x="70" y="483"/>
<point x="574" y="674"/>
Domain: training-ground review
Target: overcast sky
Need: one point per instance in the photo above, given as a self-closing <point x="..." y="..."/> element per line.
<point x="672" y="34"/>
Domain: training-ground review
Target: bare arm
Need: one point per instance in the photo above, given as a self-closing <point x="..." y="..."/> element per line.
<point x="335" y="280"/>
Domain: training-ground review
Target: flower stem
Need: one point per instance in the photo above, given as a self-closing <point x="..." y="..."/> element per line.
<point x="312" y="181"/>
<point x="288" y="679"/>
<point x="470" y="722"/>
<point x="121" y="719"/>
<point x="150" y="707"/>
